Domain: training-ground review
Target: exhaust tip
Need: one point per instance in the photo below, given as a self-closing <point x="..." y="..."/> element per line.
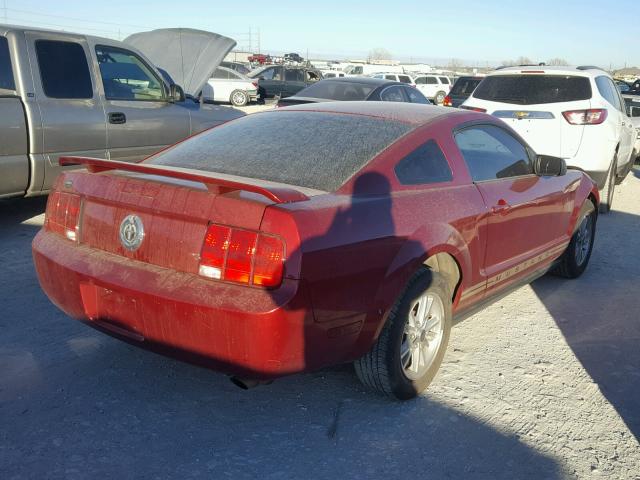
<point x="244" y="383"/>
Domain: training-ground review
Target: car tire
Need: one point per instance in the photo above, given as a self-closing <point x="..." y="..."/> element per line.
<point x="439" y="98"/>
<point x="606" y="194"/>
<point x="239" y="98"/>
<point x="575" y="258"/>
<point x="390" y="367"/>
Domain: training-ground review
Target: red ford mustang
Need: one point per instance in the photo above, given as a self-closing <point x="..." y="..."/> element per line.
<point x="290" y="240"/>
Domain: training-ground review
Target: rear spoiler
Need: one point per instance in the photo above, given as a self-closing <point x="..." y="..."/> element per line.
<point x="276" y="194"/>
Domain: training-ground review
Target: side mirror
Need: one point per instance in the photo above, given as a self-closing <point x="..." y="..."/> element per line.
<point x="548" y="166"/>
<point x="207" y="93"/>
<point x="176" y="93"/>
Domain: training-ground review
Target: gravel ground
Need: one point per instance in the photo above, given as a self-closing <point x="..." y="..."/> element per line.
<point x="544" y="384"/>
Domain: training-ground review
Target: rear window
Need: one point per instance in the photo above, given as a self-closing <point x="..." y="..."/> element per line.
<point x="533" y="89"/>
<point x="64" y="69"/>
<point x="337" y="91"/>
<point x="6" y="73"/>
<point x="465" y="86"/>
<point x="309" y="149"/>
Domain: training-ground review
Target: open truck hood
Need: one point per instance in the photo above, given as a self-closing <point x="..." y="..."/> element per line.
<point x="189" y="56"/>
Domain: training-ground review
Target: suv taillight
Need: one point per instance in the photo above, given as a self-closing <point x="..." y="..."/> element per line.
<point x="593" y="116"/>
<point x="63" y="214"/>
<point x="447" y="102"/>
<point x="242" y="256"/>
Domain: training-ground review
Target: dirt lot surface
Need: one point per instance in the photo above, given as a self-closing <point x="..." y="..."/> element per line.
<point x="544" y="384"/>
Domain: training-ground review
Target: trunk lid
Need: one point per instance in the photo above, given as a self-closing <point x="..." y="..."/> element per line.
<point x="173" y="213"/>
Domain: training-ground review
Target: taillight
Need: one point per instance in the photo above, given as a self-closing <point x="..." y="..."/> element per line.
<point x="474" y="109"/>
<point x="255" y="84"/>
<point x="242" y="256"/>
<point x="593" y="116"/>
<point x="447" y="102"/>
<point x="63" y="214"/>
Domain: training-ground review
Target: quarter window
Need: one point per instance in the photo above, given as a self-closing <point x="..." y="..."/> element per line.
<point x="404" y="78"/>
<point x="426" y="164"/>
<point x="392" y="94"/>
<point x="490" y="152"/>
<point x="63" y="69"/>
<point x="415" y="96"/>
<point x="608" y="91"/>
<point x="126" y="77"/>
<point x="6" y="73"/>
<point x="444" y="80"/>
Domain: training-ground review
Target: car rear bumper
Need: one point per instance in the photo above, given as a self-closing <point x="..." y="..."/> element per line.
<point x="235" y="329"/>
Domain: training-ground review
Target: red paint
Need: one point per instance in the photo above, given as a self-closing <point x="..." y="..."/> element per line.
<point x="348" y="254"/>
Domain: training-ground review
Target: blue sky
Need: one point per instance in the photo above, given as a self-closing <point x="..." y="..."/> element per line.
<point x="582" y="32"/>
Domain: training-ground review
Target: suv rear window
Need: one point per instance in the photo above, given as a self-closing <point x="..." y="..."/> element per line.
<point x="336" y="90"/>
<point x="465" y="86"/>
<point x="6" y="73"/>
<point x="533" y="89"/>
<point x="309" y="149"/>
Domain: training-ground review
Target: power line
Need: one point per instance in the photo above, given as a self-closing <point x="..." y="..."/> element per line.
<point x="64" y="17"/>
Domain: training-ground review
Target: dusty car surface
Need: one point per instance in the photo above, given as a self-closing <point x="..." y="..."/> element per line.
<point x="253" y="254"/>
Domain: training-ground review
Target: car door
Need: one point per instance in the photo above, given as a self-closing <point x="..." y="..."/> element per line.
<point x="628" y="130"/>
<point x="528" y="215"/>
<point x="222" y="86"/>
<point x="72" y="118"/>
<point x="272" y="81"/>
<point x="293" y="81"/>
<point x="140" y="118"/>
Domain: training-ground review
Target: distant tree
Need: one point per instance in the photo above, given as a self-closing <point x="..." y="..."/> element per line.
<point x="379" y="54"/>
<point x="518" y="61"/>
<point x="557" y="62"/>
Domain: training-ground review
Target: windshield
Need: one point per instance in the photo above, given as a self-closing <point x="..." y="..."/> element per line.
<point x="533" y="89"/>
<point x="336" y="90"/>
<point x="308" y="149"/>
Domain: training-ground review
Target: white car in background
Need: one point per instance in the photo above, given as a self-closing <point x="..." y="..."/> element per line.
<point x="434" y="87"/>
<point x="233" y="87"/>
<point x="632" y="103"/>
<point x="396" y="77"/>
<point x="576" y="113"/>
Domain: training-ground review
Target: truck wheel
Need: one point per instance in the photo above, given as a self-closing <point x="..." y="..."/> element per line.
<point x="239" y="98"/>
<point x="439" y="98"/>
<point x="406" y="357"/>
<point x="575" y="258"/>
<point x="606" y="194"/>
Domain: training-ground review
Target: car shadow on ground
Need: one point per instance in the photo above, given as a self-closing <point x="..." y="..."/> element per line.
<point x="599" y="313"/>
<point x="78" y="404"/>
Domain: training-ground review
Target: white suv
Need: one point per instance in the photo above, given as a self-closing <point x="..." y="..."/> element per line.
<point x="434" y="87"/>
<point x="396" y="77"/>
<point x="575" y="113"/>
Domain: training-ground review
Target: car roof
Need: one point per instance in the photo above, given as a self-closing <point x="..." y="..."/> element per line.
<point x="584" y="71"/>
<point x="411" y="113"/>
<point x="374" y="82"/>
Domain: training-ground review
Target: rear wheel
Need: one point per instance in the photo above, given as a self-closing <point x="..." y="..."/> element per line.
<point x="576" y="257"/>
<point x="239" y="98"/>
<point x="410" y="348"/>
<point x="439" y="98"/>
<point x="606" y="194"/>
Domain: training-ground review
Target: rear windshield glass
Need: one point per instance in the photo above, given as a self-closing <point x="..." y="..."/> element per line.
<point x="465" y="86"/>
<point x="309" y="149"/>
<point x="6" y="74"/>
<point x="533" y="89"/>
<point x="337" y="91"/>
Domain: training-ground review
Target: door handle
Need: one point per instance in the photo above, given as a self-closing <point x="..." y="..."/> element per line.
<point x="117" y="118"/>
<point x="501" y="207"/>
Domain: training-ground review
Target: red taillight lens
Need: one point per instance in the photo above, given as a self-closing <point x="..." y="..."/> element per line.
<point x="269" y="262"/>
<point x="242" y="256"/>
<point x="592" y="116"/>
<point x="255" y="84"/>
<point x="447" y="101"/>
<point x="63" y="214"/>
